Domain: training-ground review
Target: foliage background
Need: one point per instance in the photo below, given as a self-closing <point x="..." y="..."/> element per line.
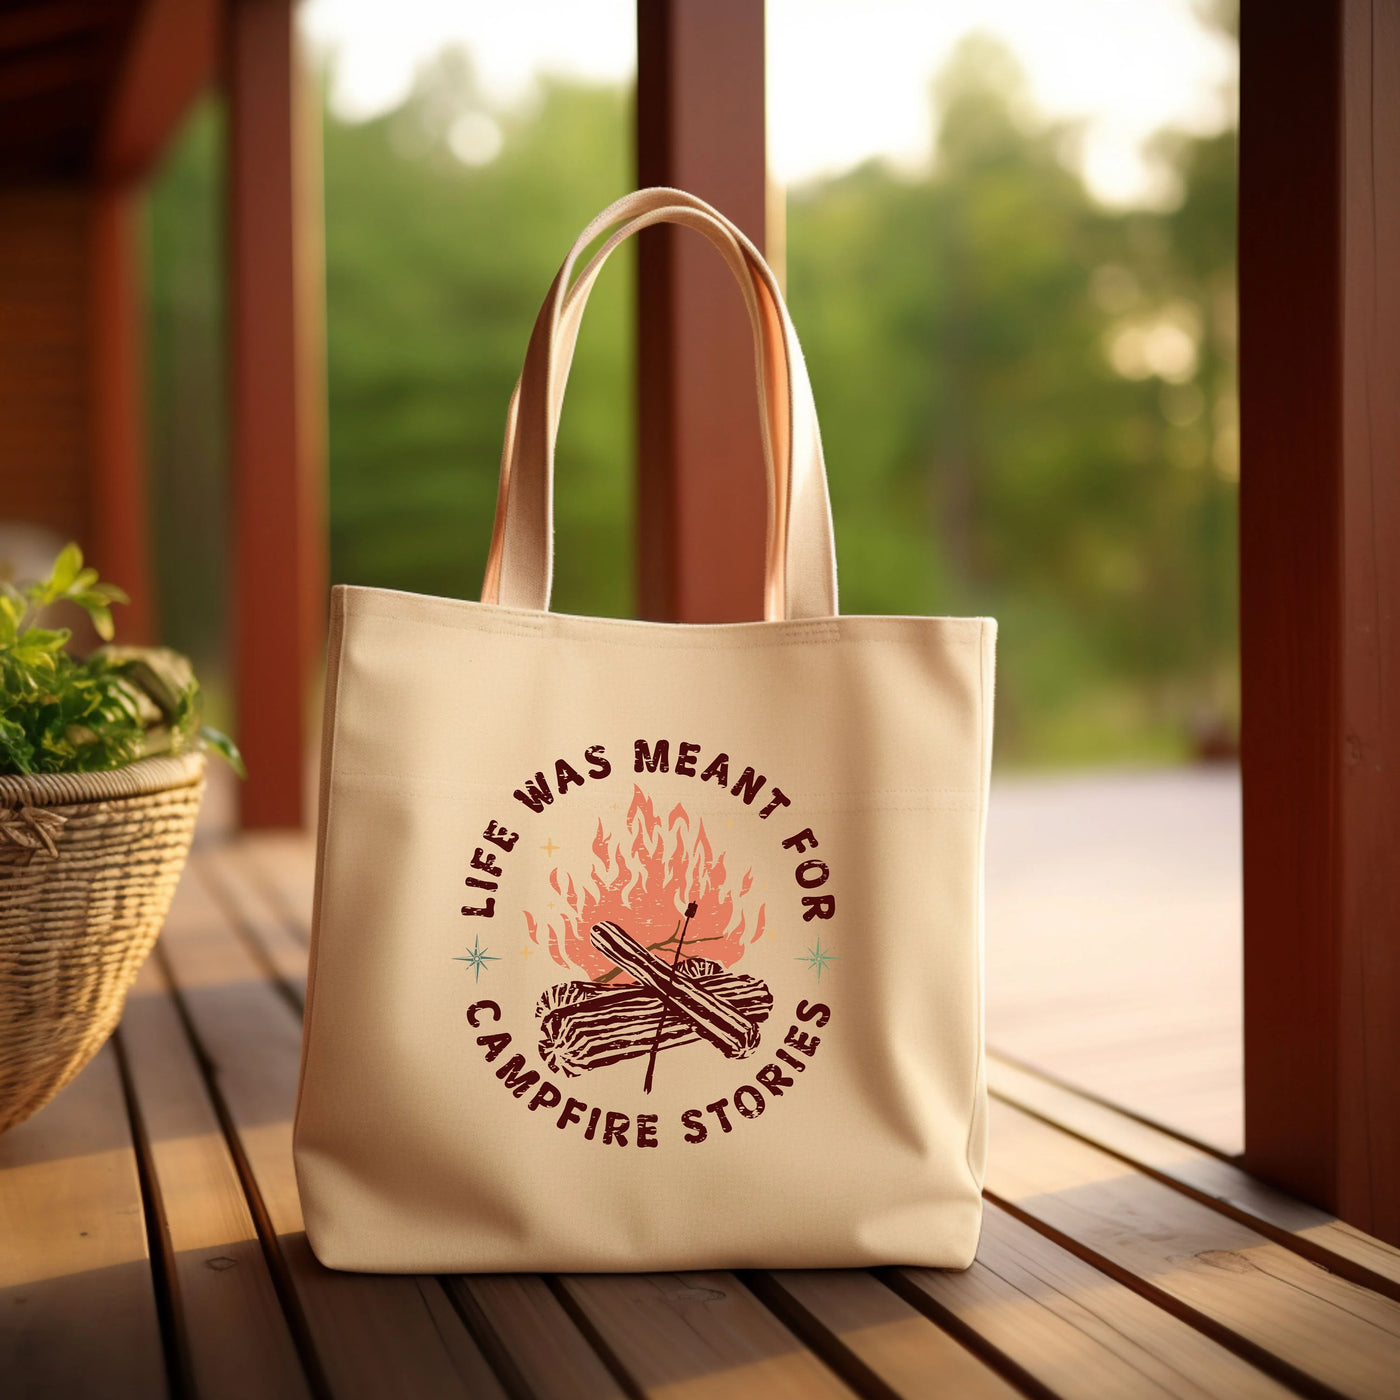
<point x="1028" y="400"/>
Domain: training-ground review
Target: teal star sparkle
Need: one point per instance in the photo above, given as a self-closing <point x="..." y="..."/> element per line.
<point x="818" y="958"/>
<point x="478" y="958"/>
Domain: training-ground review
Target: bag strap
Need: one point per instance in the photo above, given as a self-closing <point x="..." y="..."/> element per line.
<point x="800" y="566"/>
<point x="772" y="386"/>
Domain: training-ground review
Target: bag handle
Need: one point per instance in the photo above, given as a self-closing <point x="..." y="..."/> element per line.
<point x="800" y="565"/>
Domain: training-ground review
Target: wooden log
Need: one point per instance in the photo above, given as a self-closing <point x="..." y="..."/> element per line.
<point x="690" y="1000"/>
<point x="566" y="993"/>
<point x="700" y="967"/>
<point x="615" y="1025"/>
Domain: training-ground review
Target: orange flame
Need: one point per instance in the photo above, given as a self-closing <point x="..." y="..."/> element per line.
<point x="643" y="882"/>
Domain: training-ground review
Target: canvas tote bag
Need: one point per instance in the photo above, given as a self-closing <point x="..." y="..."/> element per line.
<point x="643" y="946"/>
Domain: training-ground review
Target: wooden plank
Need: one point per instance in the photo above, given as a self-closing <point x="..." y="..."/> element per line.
<point x="371" y="1335"/>
<point x="1337" y="1246"/>
<point x="701" y="497"/>
<point x="1282" y="1311"/>
<point x="1320" y="600"/>
<point x="233" y="1338"/>
<point x="531" y="1338"/>
<point x="1138" y="872"/>
<point x="700" y="1334"/>
<point x="1068" y="1330"/>
<point x="283" y="865"/>
<point x="77" y="1304"/>
<point x="887" y="1344"/>
<point x="266" y="931"/>
<point x="277" y="403"/>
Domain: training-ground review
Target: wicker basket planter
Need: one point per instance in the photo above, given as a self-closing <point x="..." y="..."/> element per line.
<point x="88" y="865"/>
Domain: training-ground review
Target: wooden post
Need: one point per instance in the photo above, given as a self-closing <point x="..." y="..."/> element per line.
<point x="701" y="498"/>
<point x="166" y="60"/>
<point x="276" y="401"/>
<point x="119" y="545"/>
<point x="1320" y="600"/>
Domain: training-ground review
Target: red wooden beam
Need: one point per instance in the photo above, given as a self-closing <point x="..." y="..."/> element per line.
<point x="277" y="403"/>
<point x="166" y="60"/>
<point x="119" y="534"/>
<point x="1320" y="600"/>
<point x="702" y="501"/>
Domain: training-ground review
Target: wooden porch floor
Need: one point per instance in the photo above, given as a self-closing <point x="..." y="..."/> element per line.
<point x="1115" y="939"/>
<point x="151" y="1243"/>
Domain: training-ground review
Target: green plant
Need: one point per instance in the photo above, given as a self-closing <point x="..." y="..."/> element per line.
<point x="61" y="713"/>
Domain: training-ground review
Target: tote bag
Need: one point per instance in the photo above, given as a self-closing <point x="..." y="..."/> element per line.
<point x="643" y="946"/>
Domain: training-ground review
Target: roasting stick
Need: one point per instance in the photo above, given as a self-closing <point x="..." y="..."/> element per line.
<point x="665" y="1001"/>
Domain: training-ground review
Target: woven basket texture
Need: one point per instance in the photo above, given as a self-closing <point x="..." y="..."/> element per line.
<point x="88" y="866"/>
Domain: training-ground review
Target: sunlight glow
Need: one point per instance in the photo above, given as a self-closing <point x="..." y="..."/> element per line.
<point x="475" y="138"/>
<point x="847" y="81"/>
<point x="1165" y="346"/>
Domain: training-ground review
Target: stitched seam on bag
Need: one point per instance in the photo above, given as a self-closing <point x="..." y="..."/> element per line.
<point x="409" y="782"/>
<point x="676" y="641"/>
<point x="334" y="693"/>
<point x="679" y="641"/>
<point x="454" y="784"/>
<point x="979" y="1067"/>
<point x="368" y="602"/>
<point x="958" y="631"/>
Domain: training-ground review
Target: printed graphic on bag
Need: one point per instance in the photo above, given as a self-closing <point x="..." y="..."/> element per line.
<point x="651" y="930"/>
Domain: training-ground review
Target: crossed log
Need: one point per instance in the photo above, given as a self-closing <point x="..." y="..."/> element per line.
<point x="584" y="1026"/>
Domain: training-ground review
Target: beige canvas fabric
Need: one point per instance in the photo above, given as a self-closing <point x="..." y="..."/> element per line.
<point x="644" y="946"/>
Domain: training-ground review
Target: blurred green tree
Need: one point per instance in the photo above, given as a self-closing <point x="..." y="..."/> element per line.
<point x="435" y="271"/>
<point x="1017" y="390"/>
<point x="186" y="433"/>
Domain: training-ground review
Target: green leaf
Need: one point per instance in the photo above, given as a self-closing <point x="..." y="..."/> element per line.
<point x="65" y="570"/>
<point x="95" y="604"/>
<point x="63" y="714"/>
<point x="221" y="744"/>
<point x="16" y="752"/>
<point x="10" y="614"/>
<point x="37" y="640"/>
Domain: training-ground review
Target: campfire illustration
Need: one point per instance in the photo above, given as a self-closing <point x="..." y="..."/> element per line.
<point x="646" y="997"/>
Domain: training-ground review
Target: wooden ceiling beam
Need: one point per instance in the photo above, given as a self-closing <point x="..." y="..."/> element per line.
<point x="170" y="57"/>
<point x="23" y="76"/>
<point x="32" y="26"/>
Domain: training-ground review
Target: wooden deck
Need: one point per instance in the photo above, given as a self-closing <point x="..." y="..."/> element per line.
<point x="1115" y="933"/>
<point x="151" y="1243"/>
